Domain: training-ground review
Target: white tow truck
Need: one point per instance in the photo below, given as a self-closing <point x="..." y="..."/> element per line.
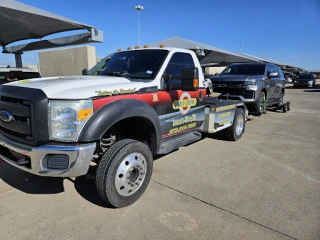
<point x="131" y="106"/>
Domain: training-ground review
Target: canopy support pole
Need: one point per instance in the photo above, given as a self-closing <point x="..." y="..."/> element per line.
<point x="18" y="59"/>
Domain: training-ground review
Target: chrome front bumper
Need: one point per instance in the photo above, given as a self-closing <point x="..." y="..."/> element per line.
<point x="80" y="156"/>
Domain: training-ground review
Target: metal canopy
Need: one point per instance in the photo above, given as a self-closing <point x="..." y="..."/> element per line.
<point x="213" y="55"/>
<point x="19" y="21"/>
<point x="280" y="64"/>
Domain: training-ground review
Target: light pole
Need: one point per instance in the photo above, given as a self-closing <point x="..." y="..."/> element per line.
<point x="139" y="8"/>
<point x="240" y="44"/>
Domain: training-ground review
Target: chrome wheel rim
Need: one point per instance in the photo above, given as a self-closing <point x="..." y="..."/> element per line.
<point x="130" y="174"/>
<point x="239" y="124"/>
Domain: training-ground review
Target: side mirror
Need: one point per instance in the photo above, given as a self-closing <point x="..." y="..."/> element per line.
<point x="84" y="71"/>
<point x="273" y="75"/>
<point x="190" y="79"/>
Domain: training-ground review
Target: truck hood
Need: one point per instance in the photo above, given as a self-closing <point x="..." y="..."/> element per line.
<point x="234" y="78"/>
<point x="82" y="87"/>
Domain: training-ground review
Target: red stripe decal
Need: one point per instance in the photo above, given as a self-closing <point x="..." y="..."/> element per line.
<point x="162" y="96"/>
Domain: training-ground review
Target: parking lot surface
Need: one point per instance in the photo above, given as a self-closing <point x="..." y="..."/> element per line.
<point x="265" y="186"/>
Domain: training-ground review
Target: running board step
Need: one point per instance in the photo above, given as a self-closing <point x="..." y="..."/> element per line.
<point x="178" y="141"/>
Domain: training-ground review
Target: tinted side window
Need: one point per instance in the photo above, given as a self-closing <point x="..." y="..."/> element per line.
<point x="177" y="62"/>
<point x="271" y="68"/>
<point x="280" y="73"/>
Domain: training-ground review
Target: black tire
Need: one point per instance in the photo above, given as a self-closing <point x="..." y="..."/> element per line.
<point x="108" y="167"/>
<point x="288" y="106"/>
<point x="231" y="132"/>
<point x="280" y="102"/>
<point x="285" y="108"/>
<point x="259" y="107"/>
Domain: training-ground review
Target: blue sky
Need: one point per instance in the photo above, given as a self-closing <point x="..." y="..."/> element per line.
<point x="285" y="30"/>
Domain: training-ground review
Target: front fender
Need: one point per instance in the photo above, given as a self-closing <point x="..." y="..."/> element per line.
<point x="106" y="116"/>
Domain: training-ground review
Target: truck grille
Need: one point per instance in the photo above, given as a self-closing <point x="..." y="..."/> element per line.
<point x="29" y="109"/>
<point x="229" y="83"/>
<point x="20" y="109"/>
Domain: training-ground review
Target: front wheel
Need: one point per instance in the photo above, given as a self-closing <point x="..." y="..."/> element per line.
<point x="280" y="102"/>
<point x="235" y="132"/>
<point x="124" y="172"/>
<point x="260" y="105"/>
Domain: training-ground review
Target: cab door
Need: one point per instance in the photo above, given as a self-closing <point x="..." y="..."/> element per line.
<point x="280" y="83"/>
<point x="271" y="84"/>
<point x="180" y="111"/>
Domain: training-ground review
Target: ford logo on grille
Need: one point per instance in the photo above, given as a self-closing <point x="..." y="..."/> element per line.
<point x="6" y="116"/>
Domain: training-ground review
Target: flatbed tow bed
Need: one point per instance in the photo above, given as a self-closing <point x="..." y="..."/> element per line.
<point x="219" y="115"/>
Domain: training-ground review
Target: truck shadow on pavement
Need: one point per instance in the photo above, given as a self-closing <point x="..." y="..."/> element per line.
<point x="86" y="188"/>
<point x="314" y="90"/>
<point x="29" y="183"/>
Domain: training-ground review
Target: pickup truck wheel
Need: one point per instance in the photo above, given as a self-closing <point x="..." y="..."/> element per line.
<point x="260" y="105"/>
<point x="124" y="172"/>
<point x="285" y="108"/>
<point x="280" y="102"/>
<point x="234" y="132"/>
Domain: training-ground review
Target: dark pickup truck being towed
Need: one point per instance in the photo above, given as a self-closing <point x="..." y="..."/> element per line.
<point x="258" y="85"/>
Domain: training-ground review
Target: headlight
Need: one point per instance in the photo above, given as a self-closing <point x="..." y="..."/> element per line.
<point x="66" y="118"/>
<point x="251" y="82"/>
<point x="310" y="82"/>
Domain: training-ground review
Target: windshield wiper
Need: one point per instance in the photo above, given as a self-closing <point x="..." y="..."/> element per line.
<point x="114" y="74"/>
<point x="142" y="77"/>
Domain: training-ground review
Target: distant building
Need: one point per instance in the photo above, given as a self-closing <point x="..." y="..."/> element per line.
<point x="33" y="67"/>
<point x="67" y="61"/>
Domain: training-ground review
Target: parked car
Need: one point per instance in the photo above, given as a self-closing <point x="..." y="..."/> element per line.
<point x="288" y="77"/>
<point x="9" y="74"/>
<point x="305" y="79"/>
<point x="258" y="85"/>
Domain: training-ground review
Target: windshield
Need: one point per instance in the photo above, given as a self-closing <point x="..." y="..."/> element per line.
<point x="98" y="67"/>
<point x="244" y="69"/>
<point x="141" y="64"/>
<point x="305" y="76"/>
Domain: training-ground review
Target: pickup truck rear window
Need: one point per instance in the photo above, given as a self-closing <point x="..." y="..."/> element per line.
<point x="244" y="69"/>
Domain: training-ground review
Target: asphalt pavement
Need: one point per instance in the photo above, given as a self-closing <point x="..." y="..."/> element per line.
<point x="264" y="186"/>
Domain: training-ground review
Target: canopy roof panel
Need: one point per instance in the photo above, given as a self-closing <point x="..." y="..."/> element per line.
<point x="216" y="56"/>
<point x="19" y="21"/>
<point x="213" y="54"/>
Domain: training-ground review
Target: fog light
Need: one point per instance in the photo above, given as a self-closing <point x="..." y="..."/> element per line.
<point x="56" y="162"/>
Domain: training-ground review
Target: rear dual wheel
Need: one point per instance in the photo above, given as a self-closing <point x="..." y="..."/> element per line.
<point x="124" y="172"/>
<point x="235" y="132"/>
